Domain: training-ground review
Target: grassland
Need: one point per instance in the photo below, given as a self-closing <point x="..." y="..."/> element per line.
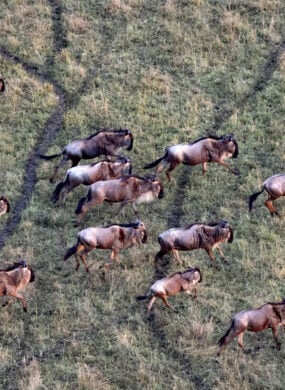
<point x="171" y="71"/>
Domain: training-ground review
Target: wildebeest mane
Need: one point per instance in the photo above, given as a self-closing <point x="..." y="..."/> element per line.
<point x="236" y="150"/>
<point x="126" y="225"/>
<point x="206" y="137"/>
<point x="126" y="177"/>
<point x="211" y="224"/>
<point x="115" y="131"/>
<point x="12" y="267"/>
<point x="33" y="277"/>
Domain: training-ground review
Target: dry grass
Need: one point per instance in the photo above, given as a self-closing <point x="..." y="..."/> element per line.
<point x="171" y="72"/>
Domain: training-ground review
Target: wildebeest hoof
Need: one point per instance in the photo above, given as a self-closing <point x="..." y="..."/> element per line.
<point x="25" y="309"/>
<point x="237" y="172"/>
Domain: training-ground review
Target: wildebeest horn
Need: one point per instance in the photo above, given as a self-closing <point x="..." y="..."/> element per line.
<point x="137" y="223"/>
<point x="23" y="263"/>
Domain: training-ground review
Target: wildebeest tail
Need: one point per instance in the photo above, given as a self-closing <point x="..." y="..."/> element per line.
<point x="155" y="163"/>
<point x="49" y="157"/>
<point x="56" y="192"/>
<point x="252" y="198"/>
<point x="223" y="341"/>
<point x="80" y="204"/>
<point x="130" y="147"/>
<point x="71" y="251"/>
<point x="142" y="297"/>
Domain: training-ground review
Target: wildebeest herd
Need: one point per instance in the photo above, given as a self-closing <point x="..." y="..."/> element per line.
<point x="111" y="180"/>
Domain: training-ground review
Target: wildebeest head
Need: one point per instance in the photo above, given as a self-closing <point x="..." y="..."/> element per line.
<point x="126" y="163"/>
<point x="4" y="205"/>
<point x="193" y="270"/>
<point x="156" y="184"/>
<point x="226" y="225"/>
<point x="230" y="144"/>
<point x="140" y="225"/>
<point x="131" y="138"/>
<point x="2" y="85"/>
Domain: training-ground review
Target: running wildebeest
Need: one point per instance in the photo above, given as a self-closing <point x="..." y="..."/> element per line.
<point x="15" y="278"/>
<point x="203" y="150"/>
<point x="113" y="237"/>
<point x="275" y="187"/>
<point x="104" y="142"/>
<point x="2" y="85"/>
<point x="4" y="205"/>
<point x="178" y="282"/>
<point x="198" y="235"/>
<point x="89" y="174"/>
<point x="128" y="189"/>
<point x="269" y="315"/>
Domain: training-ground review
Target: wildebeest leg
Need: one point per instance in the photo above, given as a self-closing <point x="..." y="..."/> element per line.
<point x="85" y="207"/>
<point x="75" y="161"/>
<point x="150" y="304"/>
<point x="172" y="166"/>
<point x="164" y="298"/>
<point x="210" y="254"/>
<point x="114" y="256"/>
<point x="62" y="162"/>
<point x="19" y="296"/>
<point x="240" y="342"/>
<point x="275" y="335"/>
<point x="222" y="254"/>
<point x="234" y="171"/>
<point x="204" y="168"/>
<point x="65" y="190"/>
<point x="81" y="252"/>
<point x="160" y="255"/>
<point x="176" y="255"/>
<point x="7" y="303"/>
<point x="121" y="206"/>
<point x="195" y="292"/>
<point x="269" y="204"/>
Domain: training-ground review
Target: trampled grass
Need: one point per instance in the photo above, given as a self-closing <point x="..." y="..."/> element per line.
<point x="171" y="71"/>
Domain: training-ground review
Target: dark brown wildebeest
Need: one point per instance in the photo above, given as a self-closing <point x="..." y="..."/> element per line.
<point x="2" y="85"/>
<point x="178" y="282"/>
<point x="104" y="142"/>
<point x="203" y="150"/>
<point x="89" y="174"/>
<point x="15" y="278"/>
<point x="4" y="205"/>
<point x="269" y="315"/>
<point x="128" y="189"/>
<point x="113" y="237"/>
<point x="275" y="187"/>
<point x="198" y="235"/>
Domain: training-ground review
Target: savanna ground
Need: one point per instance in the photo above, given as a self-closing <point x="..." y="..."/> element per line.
<point x="171" y="71"/>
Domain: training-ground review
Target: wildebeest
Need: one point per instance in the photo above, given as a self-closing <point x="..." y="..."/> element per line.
<point x="15" y="278"/>
<point x="104" y="142"/>
<point x="2" y="85"/>
<point x="113" y="237"/>
<point x="179" y="281"/>
<point x="4" y="205"/>
<point x="127" y="189"/>
<point x="203" y="150"/>
<point x="198" y="235"/>
<point x="89" y="174"/>
<point x="269" y="315"/>
<point x="275" y="187"/>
